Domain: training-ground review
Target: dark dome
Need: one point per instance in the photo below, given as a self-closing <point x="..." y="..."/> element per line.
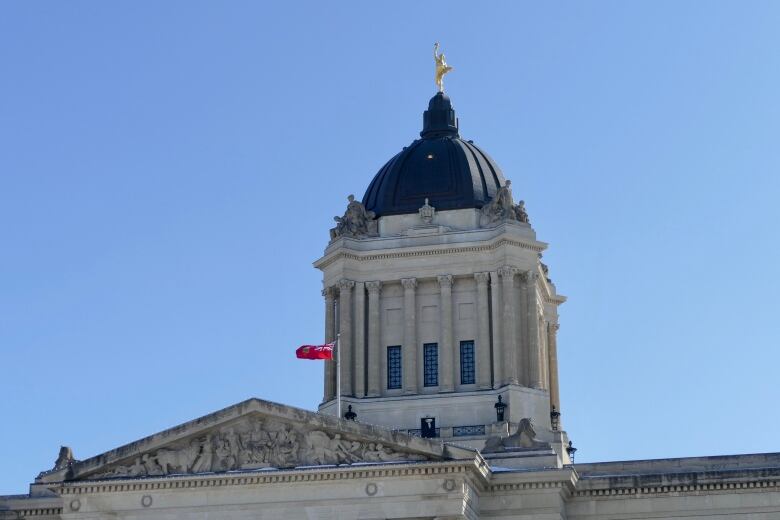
<point x="450" y="172"/>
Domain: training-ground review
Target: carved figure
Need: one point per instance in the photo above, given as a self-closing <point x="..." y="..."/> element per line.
<point x="503" y="208"/>
<point x="427" y="212"/>
<point x="441" y="67"/>
<point x="524" y="437"/>
<point x="520" y="213"/>
<point x="500" y="208"/>
<point x="252" y="444"/>
<point x="357" y="222"/>
<point x="65" y="458"/>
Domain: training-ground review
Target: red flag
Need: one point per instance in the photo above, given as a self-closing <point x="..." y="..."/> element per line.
<point x="315" y="351"/>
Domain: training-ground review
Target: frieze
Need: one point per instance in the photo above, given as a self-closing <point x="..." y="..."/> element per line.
<point x="255" y="443"/>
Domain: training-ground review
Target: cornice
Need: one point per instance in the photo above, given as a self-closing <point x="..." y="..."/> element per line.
<point x="301" y="475"/>
<point x="677" y="489"/>
<point x="371" y="257"/>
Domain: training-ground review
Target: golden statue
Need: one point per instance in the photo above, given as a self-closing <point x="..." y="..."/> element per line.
<point x="441" y="67"/>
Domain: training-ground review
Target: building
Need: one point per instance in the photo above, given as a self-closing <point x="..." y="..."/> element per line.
<point x="446" y="319"/>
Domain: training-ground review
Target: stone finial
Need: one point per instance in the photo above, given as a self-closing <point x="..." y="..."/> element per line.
<point x="427" y="212"/>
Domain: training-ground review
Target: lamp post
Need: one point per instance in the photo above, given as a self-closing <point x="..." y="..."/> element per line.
<point x="500" y="408"/>
<point x="571" y="450"/>
<point x="350" y="415"/>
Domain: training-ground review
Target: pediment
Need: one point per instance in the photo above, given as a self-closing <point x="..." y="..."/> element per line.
<point x="255" y="435"/>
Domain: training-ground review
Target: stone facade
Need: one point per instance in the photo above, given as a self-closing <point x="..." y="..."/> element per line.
<point x="312" y="466"/>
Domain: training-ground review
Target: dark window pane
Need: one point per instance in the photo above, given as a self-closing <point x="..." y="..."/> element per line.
<point x="394" y="367"/>
<point x="431" y="364"/>
<point x="467" y="362"/>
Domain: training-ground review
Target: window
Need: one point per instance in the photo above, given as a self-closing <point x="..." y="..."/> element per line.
<point x="430" y="364"/>
<point x="467" y="362"/>
<point x="394" y="367"/>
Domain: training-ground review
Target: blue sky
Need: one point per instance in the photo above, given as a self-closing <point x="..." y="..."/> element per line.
<point x="169" y="172"/>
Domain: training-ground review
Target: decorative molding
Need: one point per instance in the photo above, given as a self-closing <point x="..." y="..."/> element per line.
<point x="445" y="280"/>
<point x="677" y="488"/>
<point x="429" y="252"/>
<point x="346" y="285"/>
<point x="374" y="286"/>
<point x="508" y="272"/>
<point x="482" y="278"/>
<point x="409" y="283"/>
<point x="309" y="474"/>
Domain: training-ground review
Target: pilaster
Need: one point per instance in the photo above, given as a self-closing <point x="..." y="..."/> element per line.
<point x="374" y="340"/>
<point x="552" y="352"/>
<point x="446" y="347"/>
<point x="532" y="318"/>
<point x="359" y="347"/>
<point x="483" y="331"/>
<point x="509" y="349"/>
<point x="345" y="335"/>
<point x="329" y="294"/>
<point x="498" y="358"/>
<point x="409" y="349"/>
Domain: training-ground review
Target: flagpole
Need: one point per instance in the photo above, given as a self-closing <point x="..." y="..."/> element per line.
<point x="338" y="375"/>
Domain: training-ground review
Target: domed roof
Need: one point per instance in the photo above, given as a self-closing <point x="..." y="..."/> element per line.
<point x="450" y="172"/>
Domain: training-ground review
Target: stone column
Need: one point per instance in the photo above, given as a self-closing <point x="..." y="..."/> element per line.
<point x="552" y="352"/>
<point x="498" y="373"/>
<point x="509" y="350"/>
<point x="359" y="347"/>
<point x="409" y="350"/>
<point x="374" y="340"/>
<point x="483" y="331"/>
<point x="532" y="318"/>
<point x="330" y="335"/>
<point x="446" y="347"/>
<point x="345" y="330"/>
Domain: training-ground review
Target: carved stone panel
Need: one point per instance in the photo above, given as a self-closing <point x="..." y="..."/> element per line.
<point x="252" y="443"/>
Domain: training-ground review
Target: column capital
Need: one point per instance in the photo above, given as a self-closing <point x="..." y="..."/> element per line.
<point x="329" y="293"/>
<point x="530" y="276"/>
<point x="373" y="286"/>
<point x="508" y="272"/>
<point x="445" y="280"/>
<point x="554" y="326"/>
<point x="409" y="283"/>
<point x="482" y="278"/>
<point x="346" y="285"/>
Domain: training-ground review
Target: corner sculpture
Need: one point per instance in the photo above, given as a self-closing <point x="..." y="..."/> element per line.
<point x="254" y="444"/>
<point x="503" y="208"/>
<point x="357" y="222"/>
<point x="441" y="67"/>
<point x="523" y="438"/>
<point x="65" y="458"/>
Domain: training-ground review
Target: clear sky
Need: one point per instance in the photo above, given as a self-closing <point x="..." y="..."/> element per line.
<point x="169" y="172"/>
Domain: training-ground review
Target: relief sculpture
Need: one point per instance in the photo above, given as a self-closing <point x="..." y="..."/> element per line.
<point x="254" y="444"/>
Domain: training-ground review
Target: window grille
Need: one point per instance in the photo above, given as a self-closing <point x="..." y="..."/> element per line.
<point x="467" y="362"/>
<point x="394" y="367"/>
<point x="417" y="432"/>
<point x="430" y="364"/>
<point x="466" y="431"/>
